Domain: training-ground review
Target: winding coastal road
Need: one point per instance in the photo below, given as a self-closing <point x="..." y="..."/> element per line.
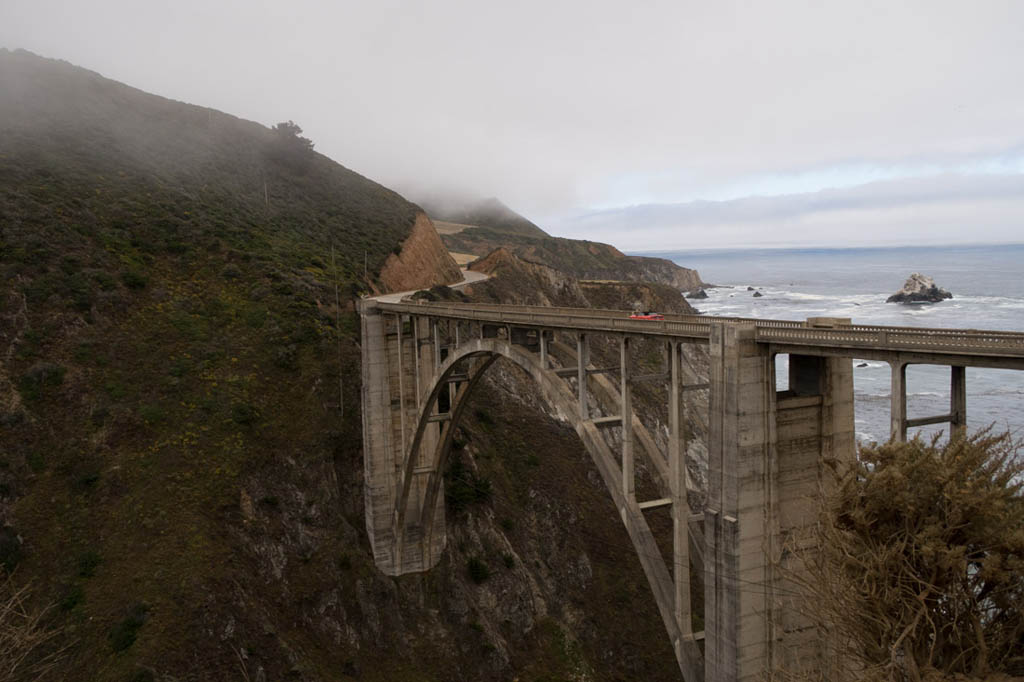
<point x="468" y="277"/>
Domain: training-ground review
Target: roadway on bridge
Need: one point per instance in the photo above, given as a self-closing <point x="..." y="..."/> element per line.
<point x="965" y="347"/>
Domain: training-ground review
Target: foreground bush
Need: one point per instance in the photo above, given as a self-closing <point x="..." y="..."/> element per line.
<point x="920" y="572"/>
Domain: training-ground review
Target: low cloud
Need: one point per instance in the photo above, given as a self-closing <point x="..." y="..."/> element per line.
<point x="555" y="107"/>
<point x="939" y="210"/>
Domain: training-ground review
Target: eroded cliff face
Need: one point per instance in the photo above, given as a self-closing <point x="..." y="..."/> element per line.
<point x="578" y="258"/>
<point x="519" y="282"/>
<point x="664" y="271"/>
<point x="636" y="296"/>
<point x="423" y="261"/>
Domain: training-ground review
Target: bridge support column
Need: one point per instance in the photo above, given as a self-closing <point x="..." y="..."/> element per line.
<point x="898" y="400"/>
<point x="543" y="348"/>
<point x="814" y="431"/>
<point x="390" y="374"/>
<point x="734" y="530"/>
<point x="626" y="406"/>
<point x="680" y="502"/>
<point x="582" y="360"/>
<point x="766" y="453"/>
<point x="957" y="399"/>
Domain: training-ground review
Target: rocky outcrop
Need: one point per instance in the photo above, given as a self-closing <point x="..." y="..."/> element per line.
<point x="422" y="262"/>
<point x="919" y="289"/>
<point x="697" y="294"/>
<point x="662" y="270"/>
<point x="636" y="296"/>
<point x="517" y="281"/>
<point x="584" y="260"/>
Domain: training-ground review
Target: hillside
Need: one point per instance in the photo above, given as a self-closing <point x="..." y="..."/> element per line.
<point x="578" y="258"/>
<point x="486" y="213"/>
<point x="180" y="445"/>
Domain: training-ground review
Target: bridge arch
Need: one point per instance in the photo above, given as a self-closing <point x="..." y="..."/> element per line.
<point x="418" y="510"/>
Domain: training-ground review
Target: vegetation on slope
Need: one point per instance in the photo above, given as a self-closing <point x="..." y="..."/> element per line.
<point x="921" y="571"/>
<point x="168" y="339"/>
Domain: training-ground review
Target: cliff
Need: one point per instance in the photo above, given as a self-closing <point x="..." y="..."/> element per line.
<point x="518" y="282"/>
<point x="580" y="259"/>
<point x="636" y="296"/>
<point x="422" y="262"/>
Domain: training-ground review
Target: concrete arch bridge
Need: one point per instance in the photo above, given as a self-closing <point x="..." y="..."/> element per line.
<point x="421" y="362"/>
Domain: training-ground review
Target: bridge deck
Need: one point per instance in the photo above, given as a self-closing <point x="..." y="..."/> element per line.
<point x="941" y="346"/>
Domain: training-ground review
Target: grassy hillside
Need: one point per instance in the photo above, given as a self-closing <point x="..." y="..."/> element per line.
<point x="180" y="460"/>
<point x="169" y="346"/>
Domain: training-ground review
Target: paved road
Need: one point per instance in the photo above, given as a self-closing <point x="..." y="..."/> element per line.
<point x="468" y="277"/>
<point x="968" y="347"/>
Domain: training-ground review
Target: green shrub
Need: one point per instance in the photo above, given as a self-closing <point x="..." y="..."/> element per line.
<point x="464" y="487"/>
<point x="244" y="413"/>
<point x="133" y="279"/>
<point x="477" y="570"/>
<point x="72" y="597"/>
<point x="104" y="280"/>
<point x="152" y="414"/>
<point x="10" y="549"/>
<point x="286" y="357"/>
<point x="920" y="561"/>
<point x="35" y="461"/>
<point x="39" y="378"/>
<point x="124" y="633"/>
<point x="87" y="563"/>
<point x="115" y="389"/>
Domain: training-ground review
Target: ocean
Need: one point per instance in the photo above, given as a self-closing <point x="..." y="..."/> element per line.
<point x="987" y="283"/>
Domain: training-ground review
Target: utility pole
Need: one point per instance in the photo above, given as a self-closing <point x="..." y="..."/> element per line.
<point x="337" y="331"/>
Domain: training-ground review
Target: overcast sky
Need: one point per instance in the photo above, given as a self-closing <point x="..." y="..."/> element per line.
<point x="647" y="124"/>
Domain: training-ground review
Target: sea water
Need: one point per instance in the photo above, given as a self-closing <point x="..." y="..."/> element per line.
<point x="987" y="283"/>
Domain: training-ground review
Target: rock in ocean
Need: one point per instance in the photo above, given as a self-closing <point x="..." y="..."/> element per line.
<point x="919" y="289"/>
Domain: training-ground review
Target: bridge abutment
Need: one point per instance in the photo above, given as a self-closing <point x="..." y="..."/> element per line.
<point x="398" y="361"/>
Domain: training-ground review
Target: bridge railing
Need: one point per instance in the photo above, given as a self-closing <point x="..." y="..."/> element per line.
<point x="693" y="326"/>
<point x="952" y="341"/>
<point x="698" y="327"/>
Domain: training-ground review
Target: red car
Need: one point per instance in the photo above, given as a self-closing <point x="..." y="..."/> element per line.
<point x="647" y="315"/>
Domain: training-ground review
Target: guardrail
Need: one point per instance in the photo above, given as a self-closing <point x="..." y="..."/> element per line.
<point x="946" y="341"/>
<point x="698" y="327"/>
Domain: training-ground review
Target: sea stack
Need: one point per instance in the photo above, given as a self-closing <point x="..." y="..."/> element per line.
<point x="919" y="289"/>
